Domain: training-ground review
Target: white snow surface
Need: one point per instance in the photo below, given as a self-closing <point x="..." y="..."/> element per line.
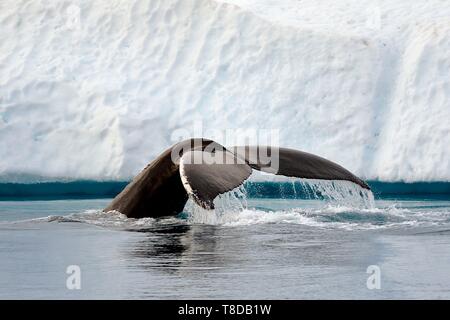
<point x="96" y="89"/>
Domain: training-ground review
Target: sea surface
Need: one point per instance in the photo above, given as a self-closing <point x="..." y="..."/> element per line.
<point x="272" y="248"/>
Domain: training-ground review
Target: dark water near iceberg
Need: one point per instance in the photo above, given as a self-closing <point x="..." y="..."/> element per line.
<point x="248" y="249"/>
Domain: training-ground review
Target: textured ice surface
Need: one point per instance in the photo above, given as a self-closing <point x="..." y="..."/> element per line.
<point x="94" y="90"/>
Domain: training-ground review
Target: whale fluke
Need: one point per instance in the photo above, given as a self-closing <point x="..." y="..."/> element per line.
<point x="203" y="169"/>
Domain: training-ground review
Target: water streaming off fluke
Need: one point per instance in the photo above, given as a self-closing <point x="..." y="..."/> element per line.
<point x="337" y="193"/>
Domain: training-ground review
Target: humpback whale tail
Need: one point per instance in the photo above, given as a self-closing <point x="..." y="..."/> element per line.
<point x="203" y="169"/>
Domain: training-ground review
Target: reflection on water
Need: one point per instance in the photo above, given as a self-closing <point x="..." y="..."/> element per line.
<point x="185" y="250"/>
<point x="164" y="241"/>
<point x="160" y="248"/>
<point x="179" y="248"/>
<point x="275" y="252"/>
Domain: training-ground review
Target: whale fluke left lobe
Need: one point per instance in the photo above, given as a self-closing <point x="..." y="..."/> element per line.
<point x="206" y="175"/>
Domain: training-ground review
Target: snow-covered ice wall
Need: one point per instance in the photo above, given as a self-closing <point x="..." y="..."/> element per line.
<point x="95" y="89"/>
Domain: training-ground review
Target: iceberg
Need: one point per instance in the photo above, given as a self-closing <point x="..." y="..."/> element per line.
<point x="95" y="90"/>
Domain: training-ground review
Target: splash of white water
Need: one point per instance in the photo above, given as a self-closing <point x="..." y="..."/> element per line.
<point x="342" y="193"/>
<point x="338" y="192"/>
<point x="230" y="202"/>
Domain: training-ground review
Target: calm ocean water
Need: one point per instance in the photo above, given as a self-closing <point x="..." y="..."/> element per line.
<point x="268" y="249"/>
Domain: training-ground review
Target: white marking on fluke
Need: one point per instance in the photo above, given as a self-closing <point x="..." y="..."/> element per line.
<point x="184" y="180"/>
